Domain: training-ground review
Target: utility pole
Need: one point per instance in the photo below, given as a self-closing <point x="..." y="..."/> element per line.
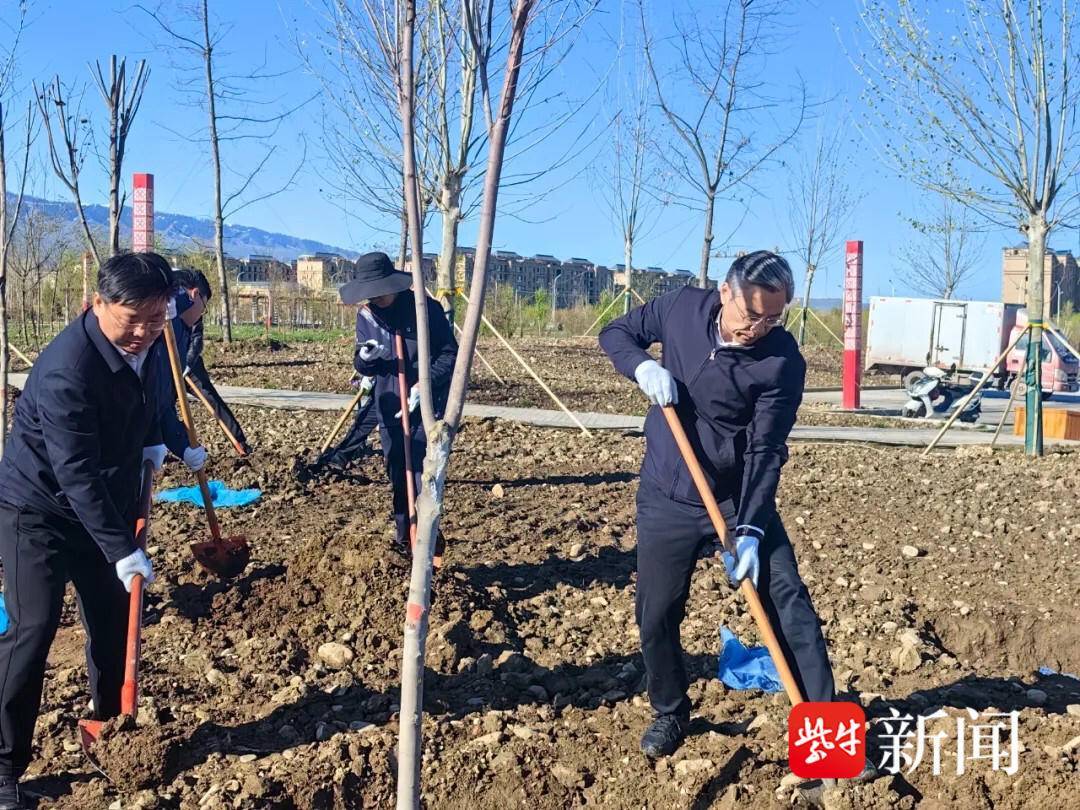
<point x="554" y="299"/>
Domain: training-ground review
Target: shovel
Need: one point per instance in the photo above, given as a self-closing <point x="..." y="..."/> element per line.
<point x="225" y="557"/>
<point x="90" y="730"/>
<point x="403" y="393"/>
<point x="749" y="592"/>
<point x="199" y="395"/>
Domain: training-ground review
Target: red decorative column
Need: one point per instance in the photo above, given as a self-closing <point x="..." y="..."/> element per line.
<point x="142" y="213"/>
<point x="852" y="382"/>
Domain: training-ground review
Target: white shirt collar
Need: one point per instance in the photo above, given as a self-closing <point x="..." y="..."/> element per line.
<point x="134" y="361"/>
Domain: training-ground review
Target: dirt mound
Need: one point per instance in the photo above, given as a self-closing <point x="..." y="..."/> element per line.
<point x="137" y="758"/>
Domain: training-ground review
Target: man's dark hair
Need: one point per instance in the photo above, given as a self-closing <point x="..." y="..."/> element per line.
<point x="133" y="278"/>
<point x="194" y="279"/>
<point x="762" y="268"/>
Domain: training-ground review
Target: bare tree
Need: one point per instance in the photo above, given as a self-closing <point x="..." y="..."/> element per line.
<point x="707" y="78"/>
<point x="232" y="116"/>
<point x="982" y="110"/>
<point x="630" y="176"/>
<point x="820" y="205"/>
<point x="122" y="103"/>
<point x="441" y="433"/>
<point x="944" y="251"/>
<point x="361" y="126"/>
<point x="9" y="219"/>
<point x="61" y="107"/>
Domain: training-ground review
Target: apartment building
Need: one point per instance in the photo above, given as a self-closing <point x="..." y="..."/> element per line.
<point x="1061" y="279"/>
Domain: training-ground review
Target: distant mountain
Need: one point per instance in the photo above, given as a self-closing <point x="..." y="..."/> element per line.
<point x="180" y="231"/>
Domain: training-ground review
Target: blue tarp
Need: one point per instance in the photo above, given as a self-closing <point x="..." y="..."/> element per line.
<point x="3" y="616"/>
<point x="744" y="667"/>
<point x="221" y="496"/>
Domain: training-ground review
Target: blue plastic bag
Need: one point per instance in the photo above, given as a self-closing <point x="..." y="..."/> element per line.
<point x="220" y="495"/>
<point x="744" y="667"/>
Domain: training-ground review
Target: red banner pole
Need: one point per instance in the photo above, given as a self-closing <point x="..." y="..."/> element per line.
<point x="142" y="212"/>
<point x="852" y="380"/>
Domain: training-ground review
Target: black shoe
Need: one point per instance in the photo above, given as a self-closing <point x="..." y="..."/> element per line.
<point x="664" y="736"/>
<point x="10" y="798"/>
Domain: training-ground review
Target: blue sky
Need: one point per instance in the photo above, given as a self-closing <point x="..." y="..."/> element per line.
<point x="64" y="35"/>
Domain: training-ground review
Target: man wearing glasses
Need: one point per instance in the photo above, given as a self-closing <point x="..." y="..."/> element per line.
<point x="69" y="484"/>
<point x="736" y="379"/>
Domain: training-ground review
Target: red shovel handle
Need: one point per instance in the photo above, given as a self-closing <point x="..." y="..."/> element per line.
<point x="403" y="394"/>
<point x="129" y="692"/>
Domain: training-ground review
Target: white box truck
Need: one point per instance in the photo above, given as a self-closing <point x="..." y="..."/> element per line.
<point x="908" y="334"/>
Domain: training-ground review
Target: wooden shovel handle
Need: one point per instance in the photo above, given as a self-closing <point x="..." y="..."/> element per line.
<point x="193" y="436"/>
<point x="199" y="395"/>
<point x="749" y="592"/>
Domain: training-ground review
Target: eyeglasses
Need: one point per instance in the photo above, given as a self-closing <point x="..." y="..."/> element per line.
<point x="127" y="325"/>
<point x="765" y="322"/>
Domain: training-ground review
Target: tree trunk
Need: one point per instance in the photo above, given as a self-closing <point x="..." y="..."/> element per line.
<point x="4" y="355"/>
<point x="85" y="282"/>
<point x="1033" y="435"/>
<point x="215" y="155"/>
<point x="403" y="244"/>
<point x="810" y="270"/>
<point x="441" y="436"/>
<point x="706" y="242"/>
<point x="628" y="261"/>
<point x="114" y="163"/>
<point x="446" y="283"/>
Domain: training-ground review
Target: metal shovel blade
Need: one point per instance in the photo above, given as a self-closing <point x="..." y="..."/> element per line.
<point x="89" y="731"/>
<point x="225" y="558"/>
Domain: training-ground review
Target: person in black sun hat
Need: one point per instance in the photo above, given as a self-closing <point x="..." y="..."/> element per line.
<point x="391" y="309"/>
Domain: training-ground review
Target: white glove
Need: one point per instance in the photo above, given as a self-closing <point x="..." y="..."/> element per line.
<point x="170" y="309"/>
<point x="414" y="400"/>
<point x="373" y="350"/>
<point x="195" y="458"/>
<point x="657" y="383"/>
<point x="134" y="563"/>
<point x="748" y="564"/>
<point x="156" y="454"/>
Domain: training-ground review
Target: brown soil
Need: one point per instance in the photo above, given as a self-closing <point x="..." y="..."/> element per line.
<point x="534" y="688"/>
<point x="574" y="368"/>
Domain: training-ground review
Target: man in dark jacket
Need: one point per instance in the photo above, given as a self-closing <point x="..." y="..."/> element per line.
<point x="391" y="310"/>
<point x="736" y="379"/>
<point x="196" y="288"/>
<point x="69" y="484"/>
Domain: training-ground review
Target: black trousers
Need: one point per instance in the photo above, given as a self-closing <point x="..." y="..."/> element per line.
<point x="40" y="554"/>
<point x="670" y="538"/>
<point x="393" y="448"/>
<point x="201" y="377"/>
<point x="354" y="445"/>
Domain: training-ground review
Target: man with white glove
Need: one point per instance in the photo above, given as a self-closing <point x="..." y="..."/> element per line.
<point x="193" y="457"/>
<point x="69" y="494"/>
<point x="735" y="378"/>
<point x="389" y="312"/>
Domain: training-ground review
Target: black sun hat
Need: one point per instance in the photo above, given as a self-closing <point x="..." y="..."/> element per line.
<point x="375" y="275"/>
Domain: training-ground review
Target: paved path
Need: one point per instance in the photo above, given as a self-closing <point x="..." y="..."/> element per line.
<point x="321" y="401"/>
<point x="889" y="401"/>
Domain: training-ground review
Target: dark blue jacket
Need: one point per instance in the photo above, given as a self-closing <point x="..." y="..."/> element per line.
<point x="373" y="323"/>
<point x="173" y="433"/>
<point x="738" y="404"/>
<point x="75" y="449"/>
